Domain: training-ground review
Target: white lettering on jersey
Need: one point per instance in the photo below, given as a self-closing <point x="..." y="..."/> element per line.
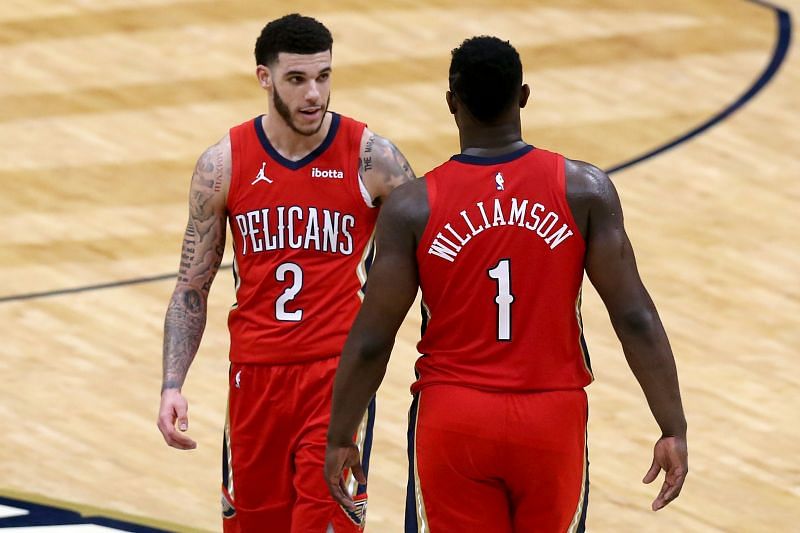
<point x="538" y="220"/>
<point x="330" y="231"/>
<point x="462" y="240"/>
<point x="253" y="218"/>
<point x="295" y="213"/>
<point x="469" y="223"/>
<point x="275" y="229"/>
<point x="346" y="247"/>
<point x="487" y="225"/>
<point x="312" y="229"/>
<point x="329" y="173"/>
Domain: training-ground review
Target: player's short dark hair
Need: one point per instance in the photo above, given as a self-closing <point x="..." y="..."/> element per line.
<point x="486" y="74"/>
<point x="294" y="34"/>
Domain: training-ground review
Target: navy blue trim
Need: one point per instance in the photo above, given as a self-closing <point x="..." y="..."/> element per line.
<point x="582" y="340"/>
<point x="782" y="43"/>
<point x="367" y="448"/>
<point x="582" y="522"/>
<point x="224" y="460"/>
<point x="225" y="473"/>
<point x="585" y="348"/>
<point x="784" y="23"/>
<point x="46" y="515"/>
<point x="411" y="525"/>
<point x="496" y="160"/>
<point x="294" y="165"/>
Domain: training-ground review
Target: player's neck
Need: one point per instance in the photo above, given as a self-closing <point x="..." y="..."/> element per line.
<point x="491" y="140"/>
<point x="290" y="144"/>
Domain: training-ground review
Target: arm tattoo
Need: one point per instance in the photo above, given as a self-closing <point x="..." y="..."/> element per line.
<point x="390" y="163"/>
<point x="183" y="328"/>
<point x="219" y="174"/>
<point x="201" y="255"/>
<point x="366" y="161"/>
<point x="382" y="167"/>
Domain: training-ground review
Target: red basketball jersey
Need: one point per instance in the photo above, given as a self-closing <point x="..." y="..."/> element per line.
<point x="501" y="264"/>
<point x="301" y="233"/>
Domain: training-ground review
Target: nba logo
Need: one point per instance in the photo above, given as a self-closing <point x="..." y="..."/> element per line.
<point x="499" y="180"/>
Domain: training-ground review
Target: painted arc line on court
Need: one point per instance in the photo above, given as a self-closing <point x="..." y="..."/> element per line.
<point x="782" y="42"/>
<point x="784" y="23"/>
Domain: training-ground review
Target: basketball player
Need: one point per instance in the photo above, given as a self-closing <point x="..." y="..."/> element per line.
<point x="299" y="188"/>
<point x="498" y="238"/>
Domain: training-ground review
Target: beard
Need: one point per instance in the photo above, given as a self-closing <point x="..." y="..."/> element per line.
<point x="286" y="114"/>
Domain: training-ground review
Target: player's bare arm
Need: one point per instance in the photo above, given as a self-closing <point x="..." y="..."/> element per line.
<point x="201" y="255"/>
<point x="382" y="166"/>
<point x="391" y="290"/>
<point x="611" y="267"/>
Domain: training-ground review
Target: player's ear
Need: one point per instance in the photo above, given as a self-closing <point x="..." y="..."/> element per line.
<point x="452" y="105"/>
<point x="264" y="77"/>
<point x="524" y="94"/>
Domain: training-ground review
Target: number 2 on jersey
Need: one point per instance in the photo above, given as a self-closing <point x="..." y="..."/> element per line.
<point x="289" y="293"/>
<point x="501" y="273"/>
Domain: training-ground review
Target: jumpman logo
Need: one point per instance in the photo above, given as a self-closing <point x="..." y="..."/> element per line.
<point x="238" y="377"/>
<point x="500" y="181"/>
<point x="261" y="176"/>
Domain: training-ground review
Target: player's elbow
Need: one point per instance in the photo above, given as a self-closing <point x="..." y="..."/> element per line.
<point x="373" y="348"/>
<point x="639" y="322"/>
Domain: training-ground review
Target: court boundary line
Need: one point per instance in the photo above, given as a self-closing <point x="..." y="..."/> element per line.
<point x="779" y="52"/>
<point x="50" y="512"/>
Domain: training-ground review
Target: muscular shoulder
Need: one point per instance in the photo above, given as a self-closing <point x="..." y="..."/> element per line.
<point x="383" y="167"/>
<point x="584" y="180"/>
<point x="589" y="189"/>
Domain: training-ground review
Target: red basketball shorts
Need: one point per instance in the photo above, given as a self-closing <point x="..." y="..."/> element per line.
<point x="499" y="462"/>
<point x="274" y="451"/>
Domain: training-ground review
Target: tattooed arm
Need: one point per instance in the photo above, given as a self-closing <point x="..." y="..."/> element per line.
<point x="203" y="246"/>
<point x="383" y="167"/>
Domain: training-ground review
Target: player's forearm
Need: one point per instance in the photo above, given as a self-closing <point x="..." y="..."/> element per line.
<point x="183" y="329"/>
<point x="650" y="358"/>
<point x="358" y="377"/>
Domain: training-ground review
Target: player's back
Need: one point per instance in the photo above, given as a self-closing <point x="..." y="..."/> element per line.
<point x="501" y="265"/>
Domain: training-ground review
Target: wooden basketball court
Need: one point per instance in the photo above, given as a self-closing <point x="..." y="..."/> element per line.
<point x="106" y="104"/>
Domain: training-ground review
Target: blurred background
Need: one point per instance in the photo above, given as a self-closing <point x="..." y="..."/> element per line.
<point x="105" y="106"/>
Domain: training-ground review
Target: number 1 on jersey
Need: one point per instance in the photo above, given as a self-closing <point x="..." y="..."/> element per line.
<point x="289" y="293"/>
<point x="501" y="273"/>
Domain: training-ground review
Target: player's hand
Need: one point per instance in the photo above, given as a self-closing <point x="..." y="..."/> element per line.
<point x="670" y="455"/>
<point x="174" y="408"/>
<point x="337" y="460"/>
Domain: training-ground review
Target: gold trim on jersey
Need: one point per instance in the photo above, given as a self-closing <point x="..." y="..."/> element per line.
<point x="237" y="279"/>
<point x="359" y="515"/>
<point x="576" y="518"/>
<point x="361" y="436"/>
<point x="419" y="501"/>
<point x="361" y="267"/>
<point x="228" y="448"/>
